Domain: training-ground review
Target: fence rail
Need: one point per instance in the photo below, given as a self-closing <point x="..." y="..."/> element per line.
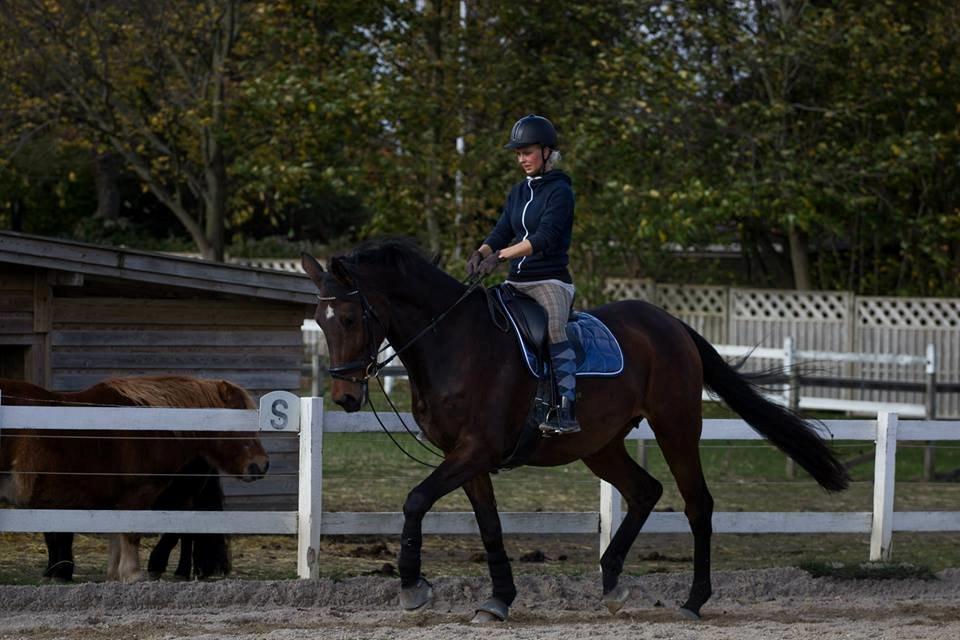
<point x="309" y="521"/>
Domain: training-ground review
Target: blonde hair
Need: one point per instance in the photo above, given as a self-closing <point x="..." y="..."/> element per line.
<point x="552" y="161"/>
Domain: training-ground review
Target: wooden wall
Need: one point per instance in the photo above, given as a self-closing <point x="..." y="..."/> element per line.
<point x="24" y="323"/>
<point x="254" y="344"/>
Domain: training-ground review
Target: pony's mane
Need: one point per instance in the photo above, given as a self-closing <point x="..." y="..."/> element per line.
<point x="403" y="254"/>
<point x="181" y="391"/>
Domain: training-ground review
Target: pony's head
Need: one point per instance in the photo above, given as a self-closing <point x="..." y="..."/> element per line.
<point x="236" y="453"/>
<point x="353" y="310"/>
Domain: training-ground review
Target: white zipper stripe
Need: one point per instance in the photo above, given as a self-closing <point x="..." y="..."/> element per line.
<point x="523" y="220"/>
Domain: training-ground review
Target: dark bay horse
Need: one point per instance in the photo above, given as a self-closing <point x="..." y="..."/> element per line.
<point x="54" y="469"/>
<point x="471" y="394"/>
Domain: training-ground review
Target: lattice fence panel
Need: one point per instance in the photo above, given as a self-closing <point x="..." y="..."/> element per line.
<point x="630" y="289"/>
<point x="907" y="325"/>
<point x="817" y="321"/>
<point x="703" y="307"/>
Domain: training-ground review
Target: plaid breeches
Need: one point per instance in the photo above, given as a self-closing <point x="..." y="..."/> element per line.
<point x="556" y="300"/>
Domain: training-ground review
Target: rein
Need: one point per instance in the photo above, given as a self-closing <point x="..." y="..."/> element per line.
<point x="372" y="367"/>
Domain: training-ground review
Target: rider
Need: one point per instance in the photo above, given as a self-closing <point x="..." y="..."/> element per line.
<point x="536" y="223"/>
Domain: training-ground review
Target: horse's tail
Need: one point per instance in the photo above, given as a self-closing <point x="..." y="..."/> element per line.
<point x="787" y="431"/>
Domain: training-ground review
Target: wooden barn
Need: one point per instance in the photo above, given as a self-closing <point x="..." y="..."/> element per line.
<point x="72" y="314"/>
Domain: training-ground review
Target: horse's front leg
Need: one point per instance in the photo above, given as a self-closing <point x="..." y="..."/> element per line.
<point x="452" y="473"/>
<point x="480" y="492"/>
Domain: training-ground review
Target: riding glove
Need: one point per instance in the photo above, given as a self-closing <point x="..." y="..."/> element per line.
<point x="473" y="263"/>
<point x="488" y="264"/>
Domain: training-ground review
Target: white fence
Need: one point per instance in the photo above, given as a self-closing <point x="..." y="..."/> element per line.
<point x="279" y="411"/>
<point x="789" y="357"/>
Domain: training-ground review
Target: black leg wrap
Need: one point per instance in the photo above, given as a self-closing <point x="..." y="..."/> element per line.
<point x="409" y="563"/>
<point x="612" y="567"/>
<point x="502" y="576"/>
<point x="612" y="561"/>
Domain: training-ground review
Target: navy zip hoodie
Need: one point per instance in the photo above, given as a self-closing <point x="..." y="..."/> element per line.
<point x="538" y="209"/>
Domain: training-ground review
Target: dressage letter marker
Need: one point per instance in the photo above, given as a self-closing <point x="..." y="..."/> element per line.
<point x="280" y="411"/>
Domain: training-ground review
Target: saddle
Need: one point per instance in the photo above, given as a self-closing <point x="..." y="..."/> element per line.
<point x="598" y="352"/>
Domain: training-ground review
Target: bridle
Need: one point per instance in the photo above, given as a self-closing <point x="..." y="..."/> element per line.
<point x="372" y="366"/>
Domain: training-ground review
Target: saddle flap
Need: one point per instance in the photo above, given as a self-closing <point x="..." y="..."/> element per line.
<point x="529" y="317"/>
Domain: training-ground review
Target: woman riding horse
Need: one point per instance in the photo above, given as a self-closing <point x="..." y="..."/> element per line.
<point x="537" y="223"/>
<point x="474" y="407"/>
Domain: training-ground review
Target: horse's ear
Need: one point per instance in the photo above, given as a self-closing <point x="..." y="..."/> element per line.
<point x="312" y="267"/>
<point x="339" y="271"/>
<point x="436" y="259"/>
<point x="233" y="396"/>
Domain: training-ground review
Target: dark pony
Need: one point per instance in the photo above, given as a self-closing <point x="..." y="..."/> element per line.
<point x="471" y="395"/>
<point x="49" y="470"/>
<point x="202" y="555"/>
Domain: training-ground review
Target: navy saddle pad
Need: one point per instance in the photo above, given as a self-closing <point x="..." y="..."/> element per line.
<point x="597" y="349"/>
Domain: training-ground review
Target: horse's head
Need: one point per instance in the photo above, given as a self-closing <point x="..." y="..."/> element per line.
<point x="352" y="325"/>
<point x="236" y="453"/>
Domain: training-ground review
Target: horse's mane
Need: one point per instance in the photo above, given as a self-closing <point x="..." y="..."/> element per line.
<point x="181" y="391"/>
<point x="400" y="253"/>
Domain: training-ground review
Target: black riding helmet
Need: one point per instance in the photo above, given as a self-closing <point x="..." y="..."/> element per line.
<point x="530" y="130"/>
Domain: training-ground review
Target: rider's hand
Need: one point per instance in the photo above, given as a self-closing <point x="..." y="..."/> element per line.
<point x="473" y="263"/>
<point x="488" y="264"/>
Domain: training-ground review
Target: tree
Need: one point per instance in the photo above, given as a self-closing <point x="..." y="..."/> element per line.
<point x="148" y="80"/>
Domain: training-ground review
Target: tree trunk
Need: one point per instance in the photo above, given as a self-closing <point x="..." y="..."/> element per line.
<point x="215" y="201"/>
<point x="800" y="260"/>
<point x="107" y="175"/>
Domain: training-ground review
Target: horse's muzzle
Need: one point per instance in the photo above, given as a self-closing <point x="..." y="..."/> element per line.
<point x="256" y="471"/>
<point x="351" y="402"/>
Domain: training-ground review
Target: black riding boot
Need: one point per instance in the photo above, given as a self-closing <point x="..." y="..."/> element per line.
<point x="563" y="359"/>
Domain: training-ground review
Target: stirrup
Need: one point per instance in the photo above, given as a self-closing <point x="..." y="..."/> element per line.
<point x="555" y="425"/>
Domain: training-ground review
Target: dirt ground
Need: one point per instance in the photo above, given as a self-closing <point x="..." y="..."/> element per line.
<point x="770" y="603"/>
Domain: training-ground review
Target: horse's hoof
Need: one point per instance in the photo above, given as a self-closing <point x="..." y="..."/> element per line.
<point x="615" y="599"/>
<point x="154" y="575"/>
<point x="413" y="598"/>
<point x="689" y="614"/>
<point x="493" y="610"/>
<point x="139" y="576"/>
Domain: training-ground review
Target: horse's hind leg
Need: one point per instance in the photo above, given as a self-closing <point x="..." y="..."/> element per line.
<point x="480" y="492"/>
<point x="184" y="569"/>
<point x="113" y="557"/>
<point x="679" y="437"/>
<point x="641" y="491"/>
<point x="129" y="566"/>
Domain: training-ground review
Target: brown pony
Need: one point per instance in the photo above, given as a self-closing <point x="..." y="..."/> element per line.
<point x="44" y="469"/>
<point x="471" y="396"/>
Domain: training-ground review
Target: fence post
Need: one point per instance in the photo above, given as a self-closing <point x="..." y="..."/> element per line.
<point x="315" y="374"/>
<point x="883" y="485"/>
<point x="793" y="390"/>
<point x="310" y="487"/>
<point x="610" y="514"/>
<point x="929" y="453"/>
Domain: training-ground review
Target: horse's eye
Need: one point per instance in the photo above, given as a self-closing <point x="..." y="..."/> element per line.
<point x="347" y="321"/>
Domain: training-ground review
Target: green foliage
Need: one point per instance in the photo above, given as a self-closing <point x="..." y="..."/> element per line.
<point x="822" y="137"/>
